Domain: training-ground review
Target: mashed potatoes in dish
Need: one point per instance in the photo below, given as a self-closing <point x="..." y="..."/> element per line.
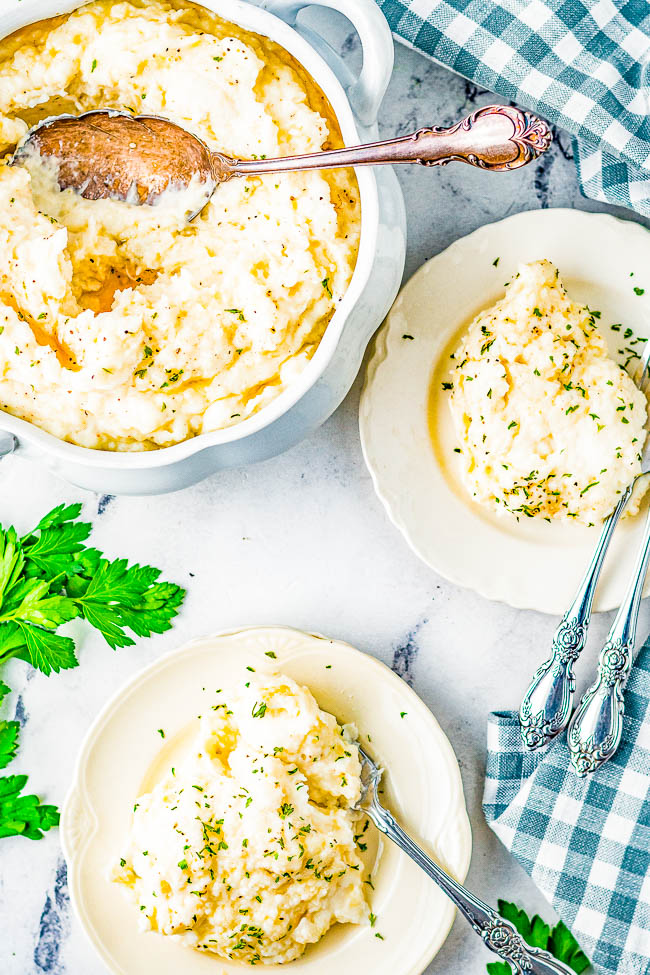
<point x="548" y="425"/>
<point x="248" y="849"/>
<point x="123" y="327"/>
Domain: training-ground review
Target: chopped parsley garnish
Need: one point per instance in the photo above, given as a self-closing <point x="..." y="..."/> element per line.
<point x="593" y="484"/>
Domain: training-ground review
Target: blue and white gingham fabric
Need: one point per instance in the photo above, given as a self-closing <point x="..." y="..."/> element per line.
<point x="584" y="65"/>
<point x="585" y="842"/>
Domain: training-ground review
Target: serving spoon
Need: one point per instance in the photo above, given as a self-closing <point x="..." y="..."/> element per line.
<point x="498" y="934"/>
<point x="107" y="154"/>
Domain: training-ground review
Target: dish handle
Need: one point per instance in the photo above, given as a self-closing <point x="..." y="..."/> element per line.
<point x="8" y="443"/>
<point x="367" y="91"/>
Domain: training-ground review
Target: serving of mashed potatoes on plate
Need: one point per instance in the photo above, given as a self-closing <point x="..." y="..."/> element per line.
<point x="124" y="327"/>
<point x="548" y="425"/>
<point x="249" y="848"/>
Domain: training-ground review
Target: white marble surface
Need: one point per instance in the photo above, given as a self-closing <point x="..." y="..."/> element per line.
<point x="300" y="540"/>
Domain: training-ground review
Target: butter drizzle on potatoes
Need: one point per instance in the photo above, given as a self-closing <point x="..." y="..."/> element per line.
<point x="549" y="426"/>
<point x="123" y="327"/>
<point x="249" y="848"/>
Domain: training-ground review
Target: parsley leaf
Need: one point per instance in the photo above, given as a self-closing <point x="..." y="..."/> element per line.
<point x="23" y="815"/>
<point x="565" y="948"/>
<point x="9" y="731"/>
<point x="118" y="597"/>
<point x="11" y="561"/>
<point x="47" y="651"/>
<point x="59" y="515"/>
<point x="53" y="551"/>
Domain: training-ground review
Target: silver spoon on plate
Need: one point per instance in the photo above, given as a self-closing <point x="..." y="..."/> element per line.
<point x="498" y="934"/>
<point x="107" y="154"/>
<point x="596" y="726"/>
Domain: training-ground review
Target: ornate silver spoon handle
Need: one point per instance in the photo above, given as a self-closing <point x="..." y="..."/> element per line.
<point x="498" y="934"/>
<point x="546" y="706"/>
<point x="597" y="724"/>
<point x="496" y="137"/>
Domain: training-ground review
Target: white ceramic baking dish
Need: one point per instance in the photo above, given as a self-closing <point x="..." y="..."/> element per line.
<point x="316" y="393"/>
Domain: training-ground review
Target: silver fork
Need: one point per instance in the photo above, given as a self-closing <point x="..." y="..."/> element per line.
<point x="546" y="706"/>
<point x="498" y="934"/>
<point x="597" y="724"/>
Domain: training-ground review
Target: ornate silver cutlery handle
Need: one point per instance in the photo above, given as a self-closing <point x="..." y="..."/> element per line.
<point x="495" y="137"/>
<point x="546" y="706"/>
<point x="597" y="724"/>
<point x="498" y="934"/>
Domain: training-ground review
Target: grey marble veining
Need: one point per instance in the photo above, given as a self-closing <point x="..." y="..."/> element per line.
<point x="302" y="540"/>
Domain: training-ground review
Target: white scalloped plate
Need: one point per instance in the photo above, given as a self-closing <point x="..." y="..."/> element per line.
<point x="406" y="429"/>
<point x="423" y="788"/>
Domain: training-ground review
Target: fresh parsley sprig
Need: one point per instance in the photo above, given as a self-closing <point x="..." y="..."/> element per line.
<point x="50" y="576"/>
<point x="19" y="815"/>
<point x="47" y="578"/>
<point x="538" y="934"/>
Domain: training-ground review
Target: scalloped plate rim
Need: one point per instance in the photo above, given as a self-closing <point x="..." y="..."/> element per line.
<point x="456" y="824"/>
<point x="484" y="585"/>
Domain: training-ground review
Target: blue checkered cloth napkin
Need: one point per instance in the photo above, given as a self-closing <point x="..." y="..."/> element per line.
<point x="582" y="64"/>
<point x="585" y="842"/>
